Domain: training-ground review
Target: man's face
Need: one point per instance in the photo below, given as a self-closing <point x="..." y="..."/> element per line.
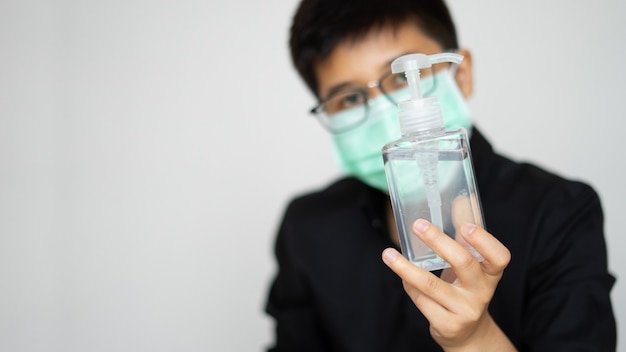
<point x="354" y="64"/>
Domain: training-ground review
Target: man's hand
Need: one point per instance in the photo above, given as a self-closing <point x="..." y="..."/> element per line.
<point x="456" y="304"/>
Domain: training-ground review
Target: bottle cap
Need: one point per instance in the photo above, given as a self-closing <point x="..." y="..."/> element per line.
<point x="420" y="113"/>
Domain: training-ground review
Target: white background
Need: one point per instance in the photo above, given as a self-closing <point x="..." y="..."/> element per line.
<point x="148" y="148"/>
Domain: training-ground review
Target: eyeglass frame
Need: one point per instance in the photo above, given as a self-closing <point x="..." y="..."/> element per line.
<point x="316" y="112"/>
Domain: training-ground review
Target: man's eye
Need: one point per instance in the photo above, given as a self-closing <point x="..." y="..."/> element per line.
<point x="394" y="82"/>
<point x="399" y="79"/>
<point x="351" y="100"/>
<point x="344" y="101"/>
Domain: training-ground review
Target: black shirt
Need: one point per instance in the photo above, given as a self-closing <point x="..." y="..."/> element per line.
<point x="333" y="292"/>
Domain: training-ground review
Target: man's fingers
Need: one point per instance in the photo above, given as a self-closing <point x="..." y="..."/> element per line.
<point x="421" y="280"/>
<point x="466" y="267"/>
<point x="496" y="255"/>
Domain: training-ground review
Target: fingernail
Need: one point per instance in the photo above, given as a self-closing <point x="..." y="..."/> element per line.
<point x="468" y="228"/>
<point x="390" y="255"/>
<point x="421" y="225"/>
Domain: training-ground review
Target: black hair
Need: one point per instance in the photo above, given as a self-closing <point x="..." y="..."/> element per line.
<point x="320" y="25"/>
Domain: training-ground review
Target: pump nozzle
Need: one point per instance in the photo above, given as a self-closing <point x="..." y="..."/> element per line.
<point x="412" y="64"/>
<point x="424" y="115"/>
<point x="419" y="113"/>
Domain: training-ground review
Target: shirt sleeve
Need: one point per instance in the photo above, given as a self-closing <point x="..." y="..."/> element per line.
<point x="290" y="302"/>
<point x="568" y="292"/>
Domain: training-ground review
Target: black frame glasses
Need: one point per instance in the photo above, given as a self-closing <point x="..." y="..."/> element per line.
<point x="357" y="97"/>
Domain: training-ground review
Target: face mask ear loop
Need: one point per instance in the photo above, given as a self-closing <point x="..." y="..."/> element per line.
<point x="434" y="88"/>
<point x="453" y="69"/>
<point x="367" y="109"/>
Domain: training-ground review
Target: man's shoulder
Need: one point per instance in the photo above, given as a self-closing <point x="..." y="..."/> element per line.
<point x="334" y="213"/>
<point x="524" y="200"/>
<point x="346" y="191"/>
<point x="528" y="178"/>
<point x="500" y="177"/>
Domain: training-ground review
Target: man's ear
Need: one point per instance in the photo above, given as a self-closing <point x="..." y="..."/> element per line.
<point x="464" y="77"/>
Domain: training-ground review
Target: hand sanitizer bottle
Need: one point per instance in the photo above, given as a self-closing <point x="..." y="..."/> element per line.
<point x="429" y="170"/>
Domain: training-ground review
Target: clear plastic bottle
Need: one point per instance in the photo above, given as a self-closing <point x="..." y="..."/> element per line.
<point x="429" y="170"/>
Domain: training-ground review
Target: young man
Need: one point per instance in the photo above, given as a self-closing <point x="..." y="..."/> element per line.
<point x="334" y="293"/>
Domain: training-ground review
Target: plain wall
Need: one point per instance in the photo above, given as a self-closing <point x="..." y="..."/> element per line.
<point x="148" y="149"/>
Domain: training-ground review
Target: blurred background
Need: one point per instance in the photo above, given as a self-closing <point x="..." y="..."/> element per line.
<point x="148" y="149"/>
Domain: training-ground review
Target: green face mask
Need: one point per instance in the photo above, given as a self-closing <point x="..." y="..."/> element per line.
<point x="358" y="151"/>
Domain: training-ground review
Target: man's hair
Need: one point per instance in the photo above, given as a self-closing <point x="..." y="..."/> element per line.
<point x="320" y="25"/>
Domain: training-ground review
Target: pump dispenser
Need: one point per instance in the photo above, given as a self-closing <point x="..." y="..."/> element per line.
<point x="429" y="169"/>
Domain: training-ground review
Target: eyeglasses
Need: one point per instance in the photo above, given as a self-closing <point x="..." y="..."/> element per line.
<point x="346" y="109"/>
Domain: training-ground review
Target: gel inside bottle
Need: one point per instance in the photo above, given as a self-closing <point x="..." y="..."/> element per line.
<point x="429" y="169"/>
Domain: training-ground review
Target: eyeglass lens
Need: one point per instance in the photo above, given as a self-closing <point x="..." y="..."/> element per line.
<point x="334" y="111"/>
